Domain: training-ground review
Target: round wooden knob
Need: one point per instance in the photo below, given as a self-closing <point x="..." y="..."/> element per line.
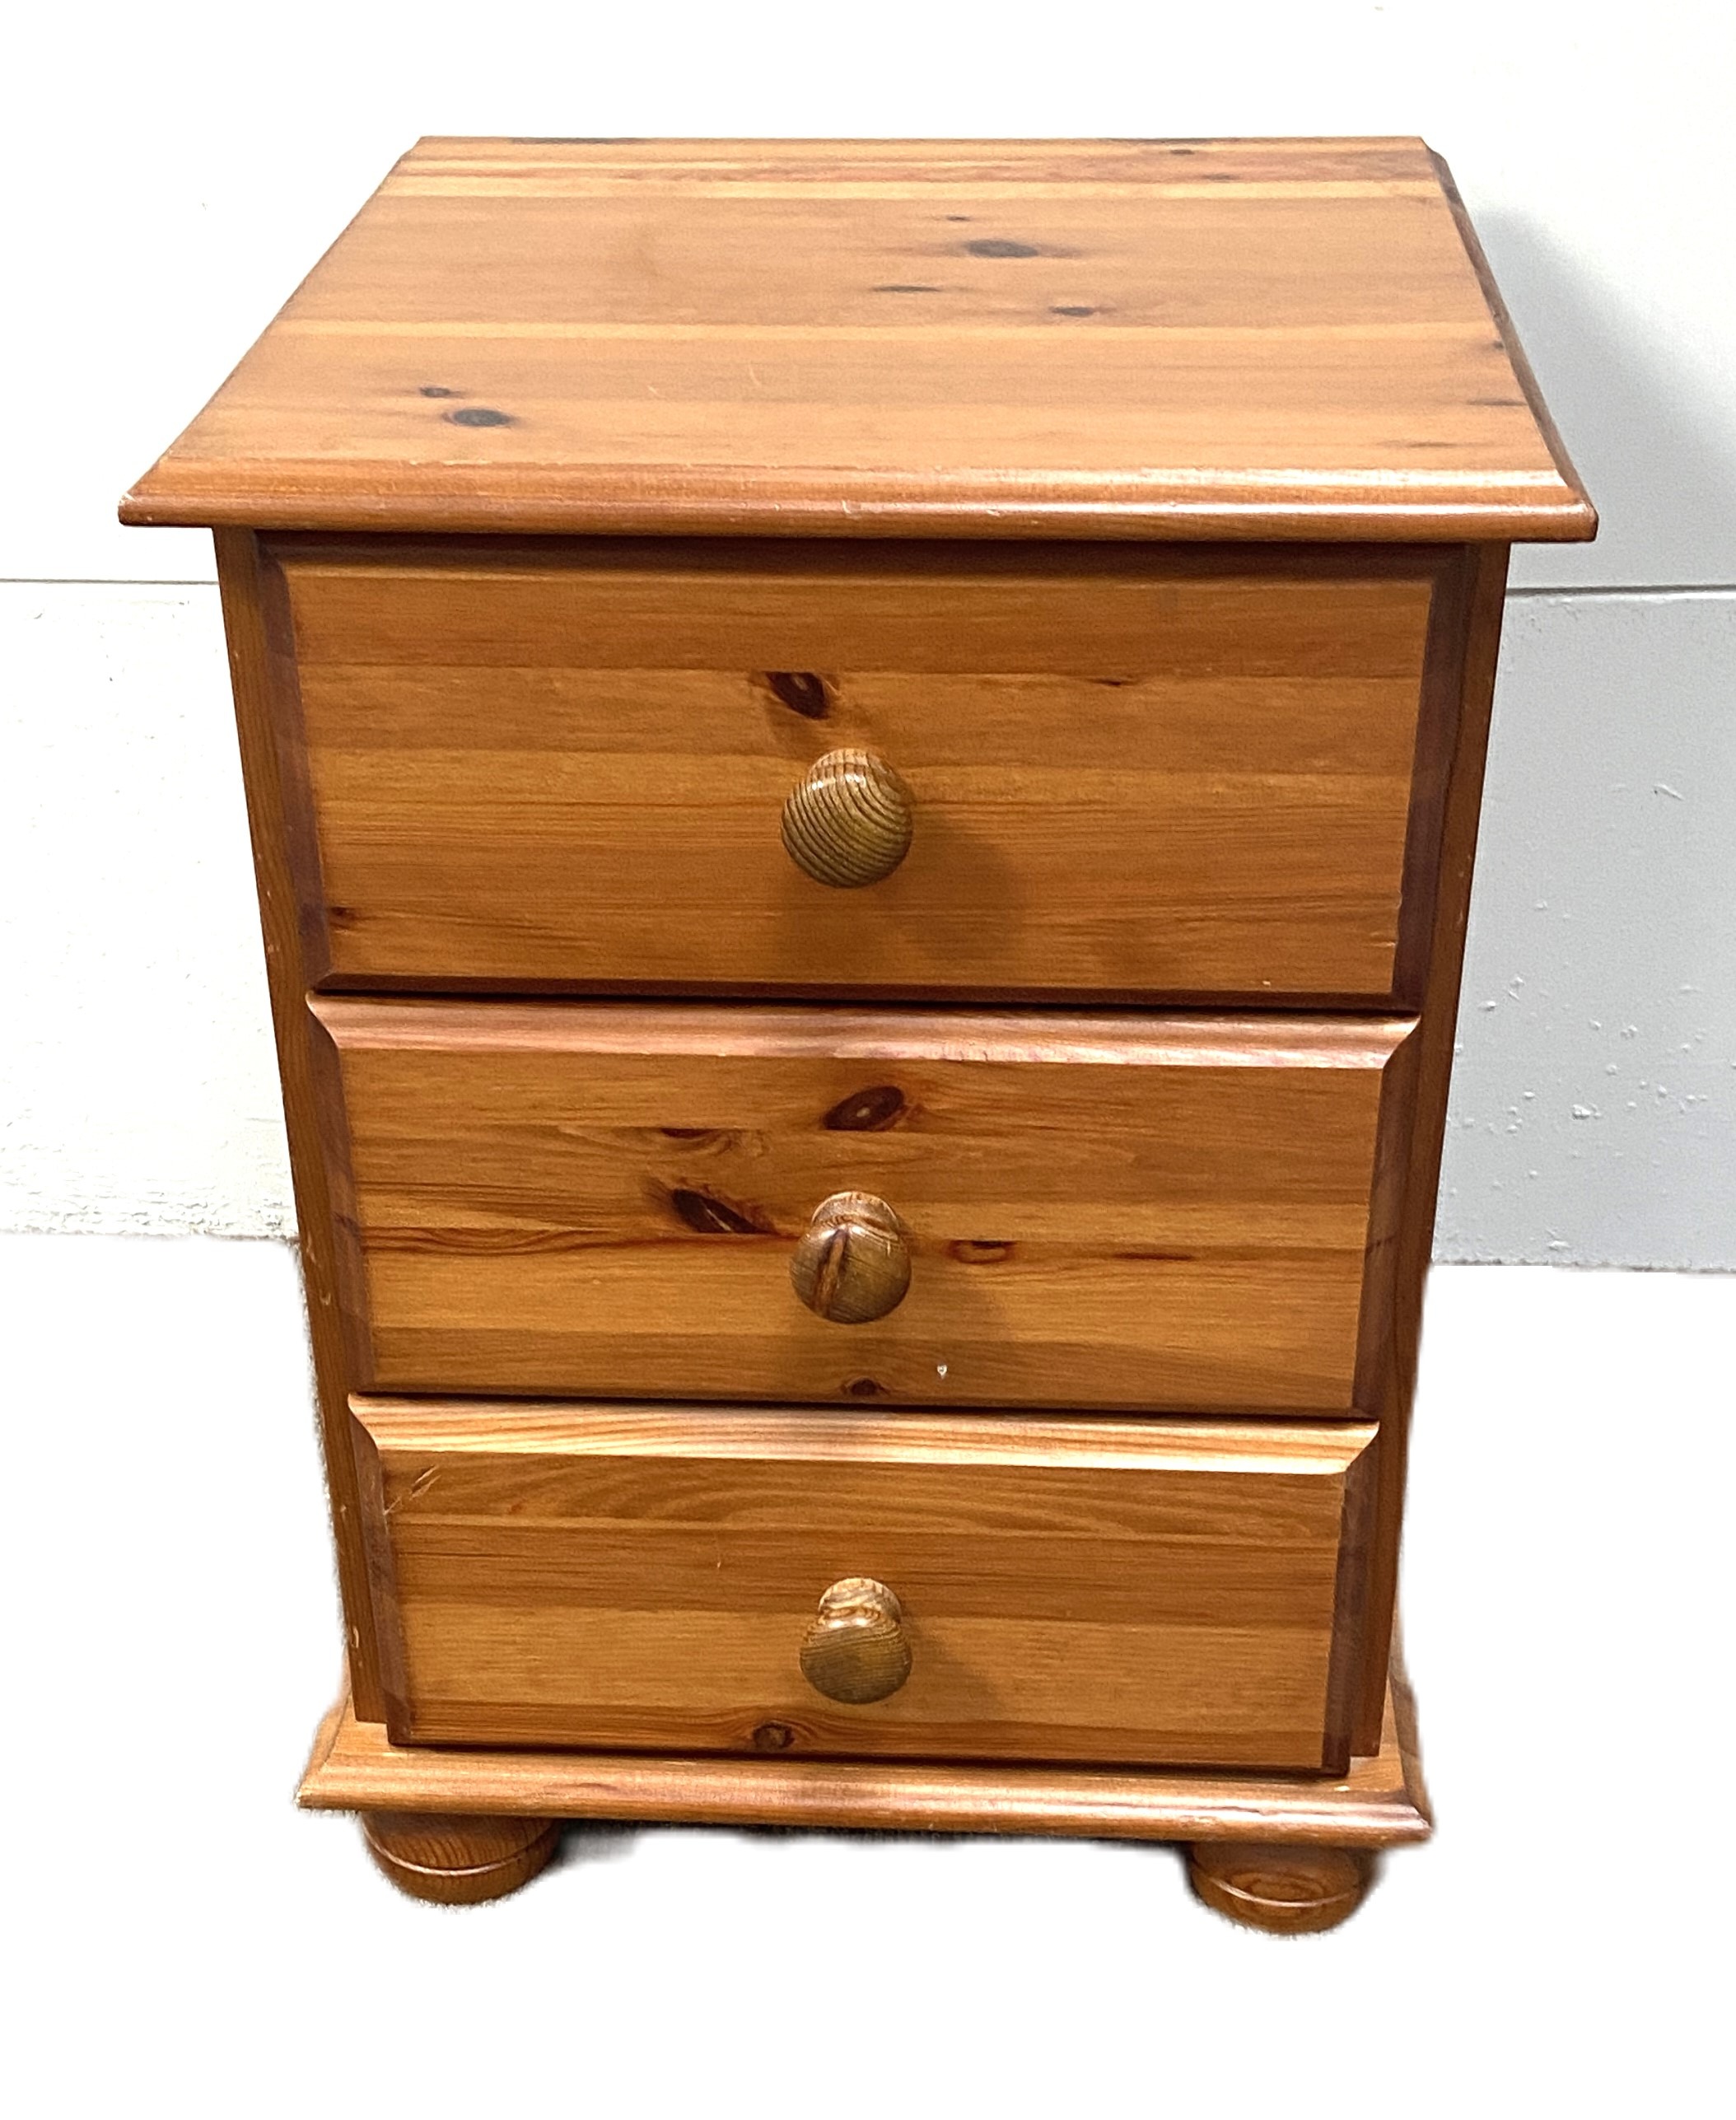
<point x="856" y="1648"/>
<point x="848" y="820"/>
<point x="852" y="1263"/>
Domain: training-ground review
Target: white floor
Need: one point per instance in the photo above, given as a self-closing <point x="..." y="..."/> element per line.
<point x="185" y="1942"/>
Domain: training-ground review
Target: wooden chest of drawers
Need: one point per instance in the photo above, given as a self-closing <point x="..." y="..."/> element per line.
<point x="864" y="762"/>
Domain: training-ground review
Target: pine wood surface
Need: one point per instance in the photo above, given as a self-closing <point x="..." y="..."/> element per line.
<point x="612" y="1577"/>
<point x="1227" y="756"/>
<point x="855" y="1648"/>
<point x="1115" y="1211"/>
<point x="260" y="678"/>
<point x="851" y="1264"/>
<point x="847" y="822"/>
<point x="1258" y="338"/>
<point x="1286" y="1890"/>
<point x="1380" y="1802"/>
<point x="1393" y="1340"/>
<point x="1133" y="772"/>
<point x="457" y="1861"/>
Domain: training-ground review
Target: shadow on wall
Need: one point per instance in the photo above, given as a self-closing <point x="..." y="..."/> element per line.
<point x="1593" y="1101"/>
<point x="1594" y="1106"/>
<point x="1648" y="439"/>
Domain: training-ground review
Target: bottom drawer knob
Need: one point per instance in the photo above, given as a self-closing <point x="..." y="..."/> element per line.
<point x="856" y="1648"/>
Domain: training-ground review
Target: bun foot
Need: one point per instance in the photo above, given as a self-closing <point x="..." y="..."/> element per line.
<point x="1287" y="1890"/>
<point x="457" y="1861"/>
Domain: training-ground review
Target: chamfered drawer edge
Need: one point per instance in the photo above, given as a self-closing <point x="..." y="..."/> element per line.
<point x="1158" y="776"/>
<point x="598" y="1576"/>
<point x="1118" y="1212"/>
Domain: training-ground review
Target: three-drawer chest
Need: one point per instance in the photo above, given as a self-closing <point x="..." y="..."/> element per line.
<point x="863" y="761"/>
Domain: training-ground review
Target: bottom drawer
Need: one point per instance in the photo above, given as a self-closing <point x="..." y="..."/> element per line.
<point x="1172" y="1593"/>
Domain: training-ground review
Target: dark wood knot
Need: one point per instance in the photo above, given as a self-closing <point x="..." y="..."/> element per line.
<point x="867" y="1111"/>
<point x="804" y="692"/>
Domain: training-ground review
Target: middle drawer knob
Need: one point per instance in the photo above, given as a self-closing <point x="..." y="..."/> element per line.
<point x="849" y="819"/>
<point x="852" y="1262"/>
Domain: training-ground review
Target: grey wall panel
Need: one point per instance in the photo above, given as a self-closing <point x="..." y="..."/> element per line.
<point x="1594" y="1110"/>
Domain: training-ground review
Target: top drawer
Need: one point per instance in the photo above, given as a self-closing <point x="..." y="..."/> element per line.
<point x="1135" y="773"/>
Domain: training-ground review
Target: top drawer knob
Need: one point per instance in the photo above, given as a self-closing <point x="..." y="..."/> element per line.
<point x="848" y="820"/>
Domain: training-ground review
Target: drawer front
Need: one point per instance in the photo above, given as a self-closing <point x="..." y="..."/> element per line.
<point x="1093" y="1212"/>
<point x="1114" y="1590"/>
<point x="1133" y="775"/>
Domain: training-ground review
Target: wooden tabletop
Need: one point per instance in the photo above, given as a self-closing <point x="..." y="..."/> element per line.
<point x="1207" y="339"/>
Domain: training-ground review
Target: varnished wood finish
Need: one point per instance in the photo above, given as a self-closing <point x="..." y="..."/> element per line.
<point x="851" y="1264"/>
<point x="856" y="1649"/>
<point x="1288" y="1888"/>
<point x="849" y="819"/>
<point x="1256" y="338"/>
<point x="1011" y="576"/>
<point x="459" y="1861"/>
<point x="1137" y="773"/>
<point x="1113" y="1211"/>
<point x="1379" y="1803"/>
<point x="1098" y="1590"/>
<point x="263" y="677"/>
<point x="1505" y="329"/>
<point x="1462" y="666"/>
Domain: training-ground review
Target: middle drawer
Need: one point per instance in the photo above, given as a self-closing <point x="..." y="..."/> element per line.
<point x="1069" y="1211"/>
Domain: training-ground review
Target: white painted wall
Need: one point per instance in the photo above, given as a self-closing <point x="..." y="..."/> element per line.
<point x="1593" y="1109"/>
<point x="141" y="1085"/>
<point x="175" y="170"/>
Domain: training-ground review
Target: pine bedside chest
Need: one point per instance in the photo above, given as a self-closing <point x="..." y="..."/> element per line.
<point x="863" y="761"/>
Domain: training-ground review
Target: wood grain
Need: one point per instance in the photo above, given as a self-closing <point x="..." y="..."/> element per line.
<point x="1114" y="1210"/>
<point x="262" y="674"/>
<point x="1261" y="338"/>
<point x="1289" y="1888"/>
<point x="847" y="821"/>
<point x="1376" y="1804"/>
<point x="1117" y="1591"/>
<point x="1138" y="773"/>
<point x="855" y="1648"/>
<point x="1461" y="668"/>
<point x="1165" y="740"/>
<point x="851" y="1264"/>
<point x="459" y="1861"/>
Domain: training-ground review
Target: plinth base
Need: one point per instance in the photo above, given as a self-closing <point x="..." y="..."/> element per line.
<point x="1285" y="1853"/>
